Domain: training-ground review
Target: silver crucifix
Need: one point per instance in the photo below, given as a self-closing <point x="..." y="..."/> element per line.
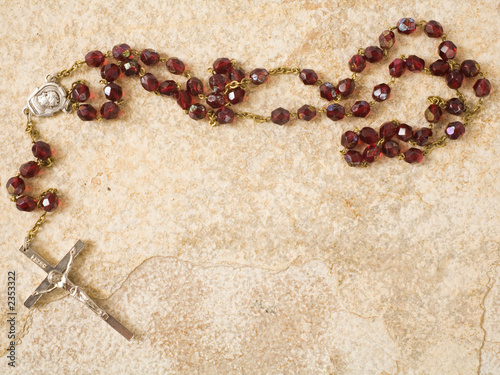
<point x="57" y="277"/>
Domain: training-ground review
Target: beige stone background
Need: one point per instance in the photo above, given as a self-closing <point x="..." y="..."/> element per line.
<point x="253" y="248"/>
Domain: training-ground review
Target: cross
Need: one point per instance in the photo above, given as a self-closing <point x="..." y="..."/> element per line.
<point x="57" y="277"/>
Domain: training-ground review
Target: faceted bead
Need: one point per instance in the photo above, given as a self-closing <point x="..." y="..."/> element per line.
<point x="360" y="108"/>
<point x="454" y="79"/>
<point x="421" y="136"/>
<point x="236" y="95"/>
<point x="29" y="169"/>
<point x="149" y="82"/>
<point x="41" y="150"/>
<point x="218" y="82"/>
<point x="175" y="66"/>
<point x="455" y="106"/>
<point x="122" y="52"/>
<point x="482" y="87"/>
<point x="357" y="64"/>
<point x="259" y="76"/>
<point x="381" y="92"/>
<point x="397" y="68"/>
<point x="49" y="202"/>
<point x="94" y="58"/>
<point x="110" y="72"/>
<point x="222" y="65"/>
<point x="216" y="100"/>
<point x="439" y="68"/>
<point x="236" y="74"/>
<point x="415" y="63"/>
<point x="109" y="110"/>
<point x="455" y="130"/>
<point x="80" y="93"/>
<point x="197" y="111"/>
<point x="86" y="112"/>
<point x="130" y="68"/>
<point x="224" y="115"/>
<point x="346" y="87"/>
<point x="390" y="149"/>
<point x="26" y="203"/>
<point x="335" y="112"/>
<point x="353" y="158"/>
<point x="373" y="54"/>
<point x="15" y="186"/>
<point x="372" y="153"/>
<point x="387" y="130"/>
<point x="308" y="76"/>
<point x="433" y="113"/>
<point x="413" y="155"/>
<point x="349" y="139"/>
<point x="150" y="57"/>
<point x="433" y="29"/>
<point x="280" y="116"/>
<point x="406" y="25"/>
<point x="168" y="88"/>
<point x="194" y="86"/>
<point x="469" y="68"/>
<point x="447" y="50"/>
<point x="386" y="39"/>
<point x="113" y="92"/>
<point x="328" y="91"/>
<point x="404" y="132"/>
<point x="368" y="135"/>
<point x="184" y="99"/>
<point x="306" y="112"/>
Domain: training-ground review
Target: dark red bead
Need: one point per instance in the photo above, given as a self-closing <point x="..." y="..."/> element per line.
<point x="113" y="92"/>
<point x="122" y="52"/>
<point x="308" y="76"/>
<point x="413" y="155"/>
<point x="390" y="149"/>
<point x="184" y="99"/>
<point x="353" y="158"/>
<point x="216" y="100"/>
<point x="280" y="116"/>
<point x="194" y="86"/>
<point x="175" y="66"/>
<point x="373" y="54"/>
<point x="349" y="139"/>
<point x="29" y="169"/>
<point x="80" y="93"/>
<point x="433" y="29"/>
<point x="454" y="79"/>
<point x="94" y="58"/>
<point x="357" y="64"/>
<point x="387" y="130"/>
<point x="259" y="76"/>
<point x="149" y="82"/>
<point x="222" y="65"/>
<point x="150" y="57"/>
<point x="49" y="202"/>
<point x="360" y="108"/>
<point x="482" y="87"/>
<point x="236" y="74"/>
<point x="346" y="87"/>
<point x="397" y="68"/>
<point x="335" y="112"/>
<point x="447" y="50"/>
<point x="406" y="25"/>
<point x="26" y="203"/>
<point x="386" y="39"/>
<point x="439" y="68"/>
<point x="130" y="68"/>
<point x="469" y="68"/>
<point x="15" y="186"/>
<point x="433" y="113"/>
<point x="455" y="106"/>
<point x="404" y="132"/>
<point x="224" y="115"/>
<point x="168" y="88"/>
<point x="86" y="112"/>
<point x="109" y="110"/>
<point x="218" y="82"/>
<point x="421" y="136"/>
<point x="368" y="135"/>
<point x="415" y="63"/>
<point x="236" y="95"/>
<point x="41" y="150"/>
<point x="197" y="111"/>
<point x="110" y="72"/>
<point x="306" y="112"/>
<point x="381" y="92"/>
<point x="455" y="130"/>
<point x="372" y="153"/>
<point x="328" y="91"/>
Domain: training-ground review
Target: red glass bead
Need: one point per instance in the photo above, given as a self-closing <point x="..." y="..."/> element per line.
<point x="49" y="202"/>
<point x="113" y="92"/>
<point x="15" y="186"/>
<point x="259" y="76"/>
<point x="335" y="112"/>
<point x="194" y="86"/>
<point x="469" y="68"/>
<point x="150" y="57"/>
<point x="280" y="116"/>
<point x="404" y="132"/>
<point x="455" y="106"/>
<point x="236" y="95"/>
<point x="216" y="100"/>
<point x="386" y="39"/>
<point x="381" y="92"/>
<point x="41" y="150"/>
<point x="29" y="169"/>
<point x="353" y="158"/>
<point x="86" y="112"/>
<point x="397" y="68"/>
<point x="94" y="58"/>
<point x="218" y="82"/>
<point x="346" y="87"/>
<point x="109" y="110"/>
<point x="372" y="153"/>
<point x="222" y="65"/>
<point x="175" y="66"/>
<point x="433" y="113"/>
<point x="360" y="108"/>
<point x="482" y="87"/>
<point x="168" y="88"/>
<point x="149" y="82"/>
<point x="110" y="72"/>
<point x="197" y="111"/>
<point x="26" y="203"/>
<point x="439" y="68"/>
<point x="236" y="74"/>
<point x="455" y="130"/>
<point x="122" y="52"/>
<point x="373" y="54"/>
<point x="390" y="149"/>
<point x="308" y="76"/>
<point x="184" y="99"/>
<point x="224" y="115"/>
<point x="357" y="64"/>
<point x="349" y="139"/>
<point x="447" y="50"/>
<point x="454" y="79"/>
<point x="368" y="135"/>
<point x="80" y="93"/>
<point x="413" y="155"/>
<point x="306" y="112"/>
<point x="406" y="25"/>
<point x="415" y="63"/>
<point x="328" y="91"/>
<point x="433" y="29"/>
<point x="387" y="130"/>
<point x="421" y="136"/>
<point x="130" y="68"/>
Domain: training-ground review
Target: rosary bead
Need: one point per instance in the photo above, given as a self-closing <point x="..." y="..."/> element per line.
<point x="433" y="29"/>
<point x="15" y="186"/>
<point x="439" y="68"/>
<point x="130" y="68"/>
<point x="236" y="74"/>
<point x="197" y="111"/>
<point x="372" y="153"/>
<point x="335" y="112"/>
<point x="194" y="86"/>
<point x="110" y="72"/>
<point x="236" y="95"/>
<point x="216" y="100"/>
<point x="368" y="135"/>
<point x="357" y="64"/>
<point x="346" y="87"/>
<point x="149" y="82"/>
<point x="41" y="150"/>
<point x="86" y="112"/>
<point x="455" y="106"/>
<point x="168" y="88"/>
<point x="94" y="59"/>
<point x="381" y="92"/>
<point x="218" y="82"/>
<point x="404" y="132"/>
<point x="222" y="65"/>
<point x="397" y="68"/>
<point x="415" y="63"/>
<point x="406" y="25"/>
<point x="328" y="91"/>
<point x="447" y="50"/>
<point x="122" y="52"/>
<point x="433" y="113"/>
<point x="390" y="149"/>
<point x="360" y="108"/>
<point x="224" y="115"/>
<point x="349" y="139"/>
<point x="113" y="92"/>
<point x="80" y="93"/>
<point x="29" y="169"/>
<point x="454" y="79"/>
<point x="413" y="155"/>
<point x="353" y="158"/>
<point x="387" y="130"/>
<point x="175" y="66"/>
<point x="308" y="76"/>
<point x="455" y="130"/>
<point x="149" y="57"/>
<point x="26" y="203"/>
<point x="421" y="136"/>
<point x="109" y="110"/>
<point x="306" y="112"/>
<point x="259" y="76"/>
<point x="373" y="54"/>
<point x="49" y="202"/>
<point x="469" y="68"/>
<point x="280" y="116"/>
<point x="386" y="39"/>
<point x="482" y="87"/>
<point x="184" y="99"/>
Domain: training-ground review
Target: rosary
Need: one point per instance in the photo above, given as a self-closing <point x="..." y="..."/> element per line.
<point x="227" y="86"/>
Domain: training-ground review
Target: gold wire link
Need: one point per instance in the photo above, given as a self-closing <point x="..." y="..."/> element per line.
<point x="380" y="142"/>
<point x="234" y="84"/>
<point x="343" y="151"/>
<point x="421" y="23"/>
<point x="284" y="70"/>
<point x="453" y="64"/>
<point x="135" y="52"/>
<point x="108" y="54"/>
<point x="212" y="119"/>
<point x="392" y="81"/>
<point x="142" y="72"/>
<point x="361" y="51"/>
<point x="211" y="70"/>
<point x="427" y="71"/>
<point x="322" y="110"/>
<point x="401" y="156"/>
<point x="257" y="118"/>
<point x="33" y="231"/>
<point x="354" y="77"/>
<point x="460" y="96"/>
<point x="103" y="81"/>
<point x="65" y="73"/>
<point x="437" y="100"/>
<point x="392" y="28"/>
<point x="431" y="146"/>
<point x="348" y="114"/>
<point x="163" y="59"/>
<point x="186" y="74"/>
<point x="444" y="37"/>
<point x="45" y="163"/>
<point x="402" y="57"/>
<point x="471" y="113"/>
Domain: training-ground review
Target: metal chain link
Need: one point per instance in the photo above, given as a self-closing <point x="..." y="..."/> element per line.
<point x="33" y="231"/>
